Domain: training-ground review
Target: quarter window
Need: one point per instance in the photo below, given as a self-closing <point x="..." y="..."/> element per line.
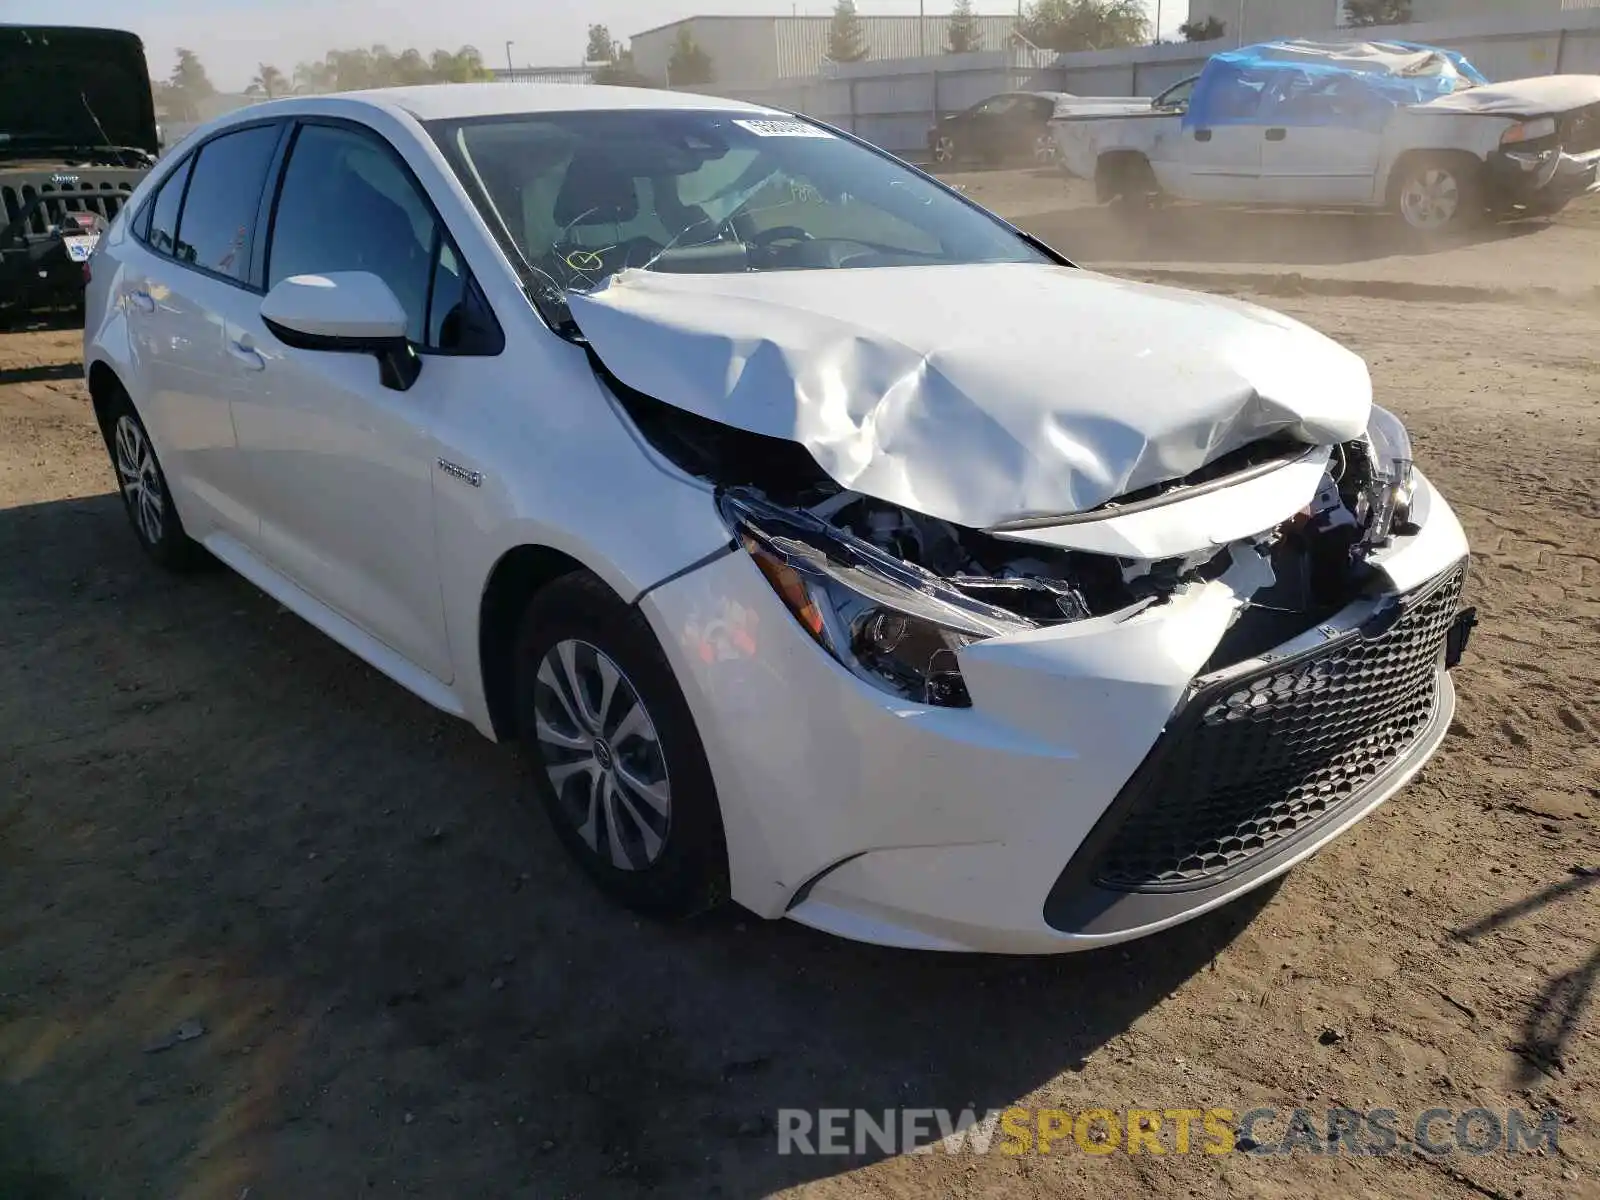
<point x="217" y="226"/>
<point x="164" y="209"/>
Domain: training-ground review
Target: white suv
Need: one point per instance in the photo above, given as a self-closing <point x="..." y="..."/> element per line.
<point x="829" y="543"/>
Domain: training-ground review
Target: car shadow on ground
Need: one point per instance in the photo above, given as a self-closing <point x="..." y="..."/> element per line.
<point x="214" y="815"/>
<point x="1192" y="234"/>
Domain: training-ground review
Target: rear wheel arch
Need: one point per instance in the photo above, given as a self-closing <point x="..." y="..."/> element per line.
<point x="1117" y="172"/>
<point x="104" y="387"/>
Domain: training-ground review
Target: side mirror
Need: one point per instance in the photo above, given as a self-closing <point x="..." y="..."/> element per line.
<point x="351" y="312"/>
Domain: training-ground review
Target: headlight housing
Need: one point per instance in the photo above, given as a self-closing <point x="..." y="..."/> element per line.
<point x="889" y="622"/>
<point x="1529" y="131"/>
<point x="1393" y="475"/>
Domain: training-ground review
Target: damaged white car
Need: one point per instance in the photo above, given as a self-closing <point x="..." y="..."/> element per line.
<point x="828" y="543"/>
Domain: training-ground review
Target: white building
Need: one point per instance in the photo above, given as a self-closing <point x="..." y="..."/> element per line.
<point x="758" y="50"/>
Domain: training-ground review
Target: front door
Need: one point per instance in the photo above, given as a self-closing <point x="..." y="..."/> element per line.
<point x="341" y="466"/>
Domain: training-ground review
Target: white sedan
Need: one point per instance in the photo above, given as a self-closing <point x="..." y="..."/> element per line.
<point x="829" y="543"/>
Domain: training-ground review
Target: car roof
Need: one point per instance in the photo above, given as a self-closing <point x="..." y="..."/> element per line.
<point x="447" y="101"/>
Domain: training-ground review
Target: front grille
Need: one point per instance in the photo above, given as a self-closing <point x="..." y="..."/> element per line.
<point x="1267" y="755"/>
<point x="105" y="197"/>
<point x="1580" y="132"/>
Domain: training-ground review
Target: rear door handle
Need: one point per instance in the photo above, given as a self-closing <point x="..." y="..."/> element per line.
<point x="143" y="300"/>
<point x="1277" y="135"/>
<point x="1202" y="135"/>
<point x="241" y="349"/>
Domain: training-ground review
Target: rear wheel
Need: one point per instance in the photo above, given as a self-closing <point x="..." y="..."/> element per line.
<point x="1127" y="183"/>
<point x="1045" y="150"/>
<point x="1439" y="194"/>
<point x="143" y="487"/>
<point x="617" y="763"/>
<point x="944" y="150"/>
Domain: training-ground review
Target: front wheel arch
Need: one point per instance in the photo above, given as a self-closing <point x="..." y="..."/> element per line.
<point x="517" y="577"/>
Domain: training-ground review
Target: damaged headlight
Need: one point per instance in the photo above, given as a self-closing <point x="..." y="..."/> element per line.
<point x="889" y="622"/>
<point x="1529" y="131"/>
<point x="1393" y="475"/>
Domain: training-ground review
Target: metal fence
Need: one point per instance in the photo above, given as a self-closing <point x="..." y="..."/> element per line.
<point x="893" y="103"/>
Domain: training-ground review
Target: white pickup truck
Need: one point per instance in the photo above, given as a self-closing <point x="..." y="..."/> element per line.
<point x="1411" y="129"/>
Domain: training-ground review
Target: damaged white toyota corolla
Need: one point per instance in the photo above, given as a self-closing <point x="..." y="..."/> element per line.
<point x="827" y="542"/>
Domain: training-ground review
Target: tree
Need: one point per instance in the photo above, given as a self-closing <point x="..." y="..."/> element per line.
<point x="378" y="66"/>
<point x="689" y="64"/>
<point x="464" y="66"/>
<point x="621" y="72"/>
<point x="1208" y="30"/>
<point x="185" y="88"/>
<point x="847" y="37"/>
<point x="964" y="36"/>
<point x="268" y="82"/>
<point x="1085" y="24"/>
<point x="1377" y="12"/>
<point x="601" y="48"/>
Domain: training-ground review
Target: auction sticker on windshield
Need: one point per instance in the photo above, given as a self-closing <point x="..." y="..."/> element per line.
<point x="783" y="129"/>
<point x="80" y="246"/>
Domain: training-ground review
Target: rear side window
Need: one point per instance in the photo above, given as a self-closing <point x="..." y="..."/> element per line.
<point x="164" y="210"/>
<point x="219" y="214"/>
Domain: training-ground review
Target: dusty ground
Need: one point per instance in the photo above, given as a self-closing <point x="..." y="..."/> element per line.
<point x="214" y="821"/>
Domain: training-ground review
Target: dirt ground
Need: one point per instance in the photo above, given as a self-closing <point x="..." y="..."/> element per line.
<point x="271" y="927"/>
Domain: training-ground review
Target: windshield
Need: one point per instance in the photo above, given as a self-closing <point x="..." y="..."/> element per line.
<point x="581" y="196"/>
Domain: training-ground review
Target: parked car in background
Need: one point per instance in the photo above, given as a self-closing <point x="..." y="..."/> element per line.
<point x="77" y="135"/>
<point x="1003" y="128"/>
<point x="826" y="542"/>
<point x="1412" y="129"/>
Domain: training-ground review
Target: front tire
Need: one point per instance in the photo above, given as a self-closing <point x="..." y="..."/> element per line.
<point x="143" y="487"/>
<point x="944" y="150"/>
<point x="617" y="763"/>
<point x="1437" y="195"/>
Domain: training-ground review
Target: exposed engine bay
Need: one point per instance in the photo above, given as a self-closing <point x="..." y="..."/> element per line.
<point x="894" y="593"/>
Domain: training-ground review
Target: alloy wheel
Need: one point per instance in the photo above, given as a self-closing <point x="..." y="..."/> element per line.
<point x="1045" y="150"/>
<point x="140" y="479"/>
<point x="1430" y="199"/>
<point x="944" y="150"/>
<point x="602" y="755"/>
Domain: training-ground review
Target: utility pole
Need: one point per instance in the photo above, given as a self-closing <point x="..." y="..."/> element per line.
<point x="922" y="27"/>
<point x="1157" y="38"/>
<point x="1241" y="21"/>
<point x="509" y="67"/>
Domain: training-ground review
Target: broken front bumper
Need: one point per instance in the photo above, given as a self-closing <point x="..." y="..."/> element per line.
<point x="1545" y="178"/>
<point x="1091" y="794"/>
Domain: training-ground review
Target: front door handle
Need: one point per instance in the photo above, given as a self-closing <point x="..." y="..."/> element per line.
<point x="143" y="300"/>
<point x="247" y="354"/>
<point x="1277" y="135"/>
<point x="1202" y="135"/>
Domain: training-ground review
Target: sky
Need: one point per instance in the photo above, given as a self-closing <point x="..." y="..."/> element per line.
<point x="233" y="36"/>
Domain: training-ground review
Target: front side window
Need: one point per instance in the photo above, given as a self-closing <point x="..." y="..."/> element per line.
<point x="217" y="225"/>
<point x="347" y="205"/>
<point x="581" y="196"/>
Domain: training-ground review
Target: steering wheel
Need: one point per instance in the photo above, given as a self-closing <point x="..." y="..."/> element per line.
<point x="779" y="233"/>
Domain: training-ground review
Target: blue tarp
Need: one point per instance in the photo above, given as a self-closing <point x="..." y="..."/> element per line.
<point x="1298" y="83"/>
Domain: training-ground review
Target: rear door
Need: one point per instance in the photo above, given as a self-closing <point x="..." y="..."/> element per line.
<point x="198" y="236"/>
<point x="1214" y="154"/>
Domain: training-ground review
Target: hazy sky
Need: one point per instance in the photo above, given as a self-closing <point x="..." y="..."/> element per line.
<point x="232" y="36"/>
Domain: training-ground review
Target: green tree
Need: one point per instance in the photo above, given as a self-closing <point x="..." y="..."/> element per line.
<point x="1208" y="30"/>
<point x="847" y="37"/>
<point x="964" y="36"/>
<point x="621" y="72"/>
<point x="601" y="48"/>
<point x="185" y="88"/>
<point x="464" y="66"/>
<point x="689" y="64"/>
<point x="268" y="82"/>
<point x="1377" y="12"/>
<point x="1085" y="24"/>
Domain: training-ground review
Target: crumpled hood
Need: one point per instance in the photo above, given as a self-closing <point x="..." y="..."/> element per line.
<point x="1545" y="95"/>
<point x="978" y="394"/>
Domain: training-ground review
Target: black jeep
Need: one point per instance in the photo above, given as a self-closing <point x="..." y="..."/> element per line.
<point x="77" y="134"/>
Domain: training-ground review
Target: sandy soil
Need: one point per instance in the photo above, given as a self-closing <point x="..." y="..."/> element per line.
<point x="213" y="822"/>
